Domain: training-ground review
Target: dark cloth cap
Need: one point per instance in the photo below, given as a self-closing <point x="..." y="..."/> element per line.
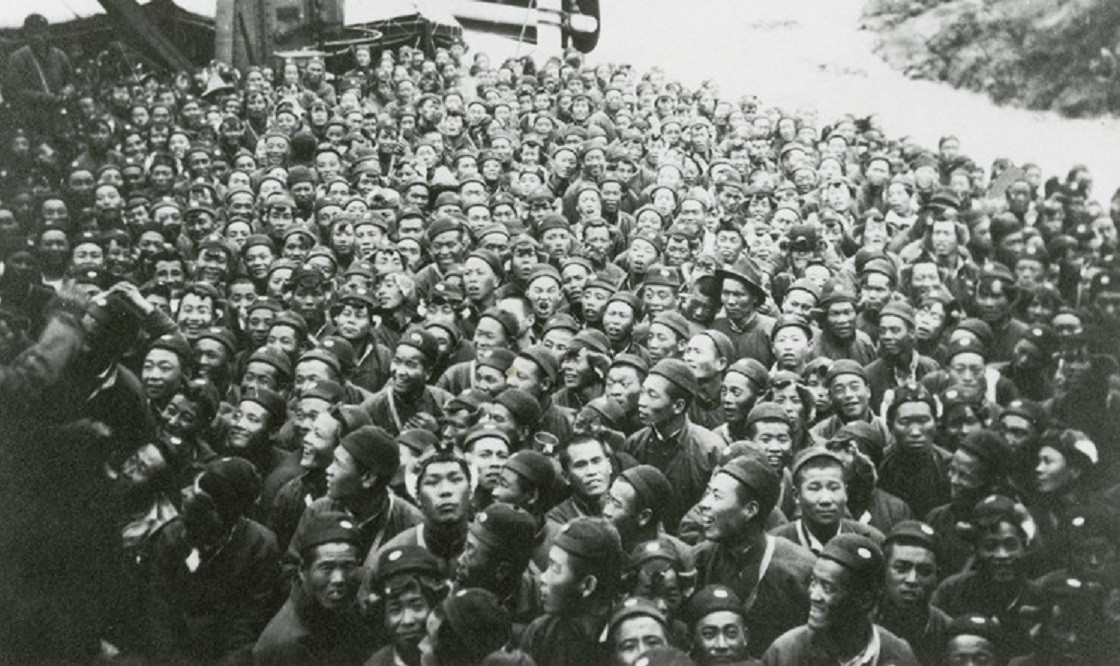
<point x="423" y="341"/>
<point x="1043" y="337"/>
<point x="1028" y="409"/>
<point x="479" y="619"/>
<point x="791" y="320"/>
<point x="417" y="440"/>
<point x="835" y="292"/>
<point x="272" y="402"/>
<point x="725" y="348"/>
<point x="544" y="359"/>
<point x="506" y="320"/>
<point x="233" y="483"/>
<point x="405" y="560"/>
<point x="328" y="527"/>
<point x="678" y="372"/>
<point x="342" y="350"/>
<point x="326" y="390"/>
<point x="632" y="360"/>
<point x="712" y="599"/>
<point x="675" y="322"/>
<point x="484" y="432"/>
<point x="591" y="339"/>
<point x="868" y="438"/>
<point x="562" y="321"/>
<point x="441" y="226"/>
<point x="857" y="554"/>
<point x="662" y="549"/>
<point x="608" y="409"/>
<point x="665" y="655"/>
<point x="1104" y="281"/>
<point x="174" y="343"/>
<point x="899" y="309"/>
<point x="629" y="298"/>
<point x="595" y="540"/>
<point x="975" y="624"/>
<point x="966" y="345"/>
<point x="499" y="358"/>
<point x="667" y="276"/>
<point x="810" y="454"/>
<point x="768" y="411"/>
<point x="535" y="467"/>
<point x="222" y="336"/>
<point x="845" y="367"/>
<point x="324" y="355"/>
<point x="990" y="447"/>
<point x="882" y="266"/>
<point x="995" y="509"/>
<point x="759" y="477"/>
<point x="913" y="532"/>
<point x="754" y="371"/>
<point x="291" y="320"/>
<point x="977" y="327"/>
<point x="492" y="260"/>
<point x="652" y="488"/>
<point x="374" y="449"/>
<point x="358" y="295"/>
<point x="806" y="285"/>
<point x="524" y="407"/>
<point x="636" y="607"/>
<point x="275" y="358"/>
<point x="803" y="238"/>
<point x="506" y="527"/>
<point x="745" y="271"/>
<point x="553" y="221"/>
<point x="545" y="271"/>
<point x="1094" y="520"/>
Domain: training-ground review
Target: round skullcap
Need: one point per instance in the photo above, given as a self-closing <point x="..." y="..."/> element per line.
<point x="975" y="624"/>
<point x="506" y="527"/>
<point x="609" y="410"/>
<point x="995" y="509"/>
<point x="767" y="411"/>
<point x="544" y="359"/>
<point x="806" y="285"/>
<point x="505" y="319"/>
<point x="1104" y="281"/>
<point x="666" y="276"/>
<point x="481" y="622"/>
<point x="899" y="309"/>
<point x="273" y="357"/>
<point x="422" y="341"/>
<point x="1028" y="409"/>
<point x="858" y="554"/>
<point x="323" y="355"/>
<point x="174" y="343"/>
<point x="725" y="348"/>
<point x="594" y="540"/>
<point x="803" y="238"/>
<point x="490" y="259"/>
<point x="636" y="607"/>
<point x="632" y="360"/>
<point x="562" y="321"/>
<point x="535" y="467"/>
<point x="845" y="367"/>
<point x="677" y="372"/>
<point x="675" y="322"/>
<point x="292" y="321"/>
<point x="665" y="655"/>
<point x="835" y="292"/>
<point x="662" y="549"/>
<point x="328" y="527"/>
<point x="441" y="226"/>
<point x="1078" y="450"/>
<point x="447" y="291"/>
<point x="222" y="336"/>
<point x="757" y="476"/>
<point x="712" y="599"/>
<point x="651" y="487"/>
<point x="342" y="350"/>
<point x="544" y="271"/>
<point x="499" y="358"/>
<point x="417" y="440"/>
<point x="754" y="371"/>
<point x="553" y="221"/>
<point x="233" y="483"/>
<point x="1044" y="338"/>
<point x="978" y="328"/>
<point x="990" y="447"/>
<point x="481" y="432"/>
<point x="966" y="345"/>
<point x="406" y="561"/>
<point x="629" y="298"/>
<point x="882" y="266"/>
<point x="592" y="340"/>
<point x="1094" y="520"/>
<point x="524" y="407"/>
<point x="805" y="456"/>
<point x="374" y="449"/>
<point x="794" y="321"/>
<point x="325" y="390"/>
<point x="272" y="402"/>
<point x="868" y="438"/>
<point x="914" y="533"/>
<point x="652" y="237"/>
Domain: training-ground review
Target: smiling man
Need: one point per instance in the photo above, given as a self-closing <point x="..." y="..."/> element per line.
<point x="407" y="400"/>
<point x="844" y="588"/>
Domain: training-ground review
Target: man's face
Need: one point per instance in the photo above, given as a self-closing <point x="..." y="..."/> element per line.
<point x="559" y="586"/>
<point x="791" y="347"/>
<point x="993" y="302"/>
<point x="444" y="493"/>
<point x="575" y="368"/>
<point x="721" y="637"/>
<point x="911" y="575"/>
<point x="655" y="406"/>
<point x="623" y="385"/>
<point x="999" y="551"/>
<point x="447" y="249"/>
<point x="832" y="602"/>
<point x="738" y="302"/>
<point x="211" y="360"/>
<point x="180" y="417"/>
<point x="161" y="374"/>
<point x="344" y="477"/>
<point x="722" y="515"/>
<point x="875" y="289"/>
<point x="589" y="469"/>
<point x="329" y="577"/>
<point x="635" y="636"/>
<point x="737" y="397"/>
<point x="317" y="448"/>
<point x="822" y="493"/>
<point x="408" y="370"/>
<point x="966" y="479"/>
<point x="914" y="425"/>
<point x="487" y="456"/>
<point x="850" y="396"/>
<point x="895" y="337"/>
<point x="703" y="358"/>
<point x="250" y="425"/>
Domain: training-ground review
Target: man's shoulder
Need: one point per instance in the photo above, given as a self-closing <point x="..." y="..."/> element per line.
<point x="791" y="555"/>
<point x="281" y="635"/>
<point x="704" y="438"/>
<point x="787" y="648"/>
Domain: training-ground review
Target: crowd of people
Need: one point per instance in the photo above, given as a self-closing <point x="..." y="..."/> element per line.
<point x="442" y="361"/>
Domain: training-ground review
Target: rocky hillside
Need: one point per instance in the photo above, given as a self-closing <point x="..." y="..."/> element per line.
<point x="1062" y="55"/>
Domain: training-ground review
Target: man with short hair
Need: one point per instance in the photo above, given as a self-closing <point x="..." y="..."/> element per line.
<point x="586" y="463"/>
<point x="320" y="622"/>
<point x="408" y="400"/>
<point x="850" y="394"/>
<point x="708" y="354"/>
<point x="767" y="572"/>
<point x="844" y="589"/>
<point x="840" y="338"/>
<point x="743" y="384"/>
<point x="914" y="468"/>
<point x="912" y="570"/>
<point x="686" y="453"/>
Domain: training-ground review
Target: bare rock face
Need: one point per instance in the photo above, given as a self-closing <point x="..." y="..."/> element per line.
<point x="1061" y="55"/>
